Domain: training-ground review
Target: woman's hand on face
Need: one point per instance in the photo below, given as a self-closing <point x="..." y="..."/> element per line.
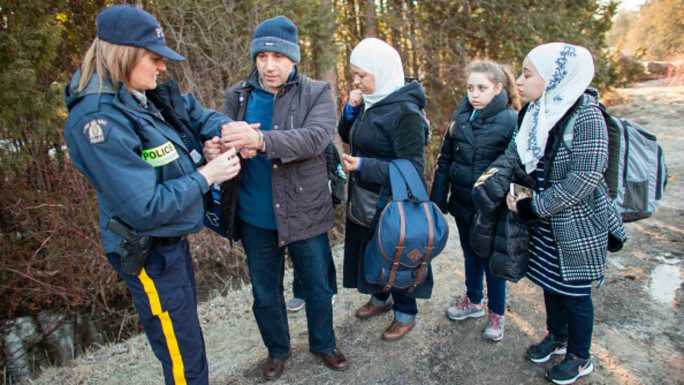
<point x="355" y="98"/>
<point x="350" y="163"/>
<point x="512" y="202"/>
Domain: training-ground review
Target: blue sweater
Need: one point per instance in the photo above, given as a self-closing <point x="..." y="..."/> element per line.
<point x="255" y="202"/>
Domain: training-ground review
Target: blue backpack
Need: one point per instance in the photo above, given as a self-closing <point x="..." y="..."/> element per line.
<point x="409" y="234"/>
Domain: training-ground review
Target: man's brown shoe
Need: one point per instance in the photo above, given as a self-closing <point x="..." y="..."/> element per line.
<point x="273" y="368"/>
<point x="335" y="360"/>
<point x="397" y="330"/>
<point x="368" y="310"/>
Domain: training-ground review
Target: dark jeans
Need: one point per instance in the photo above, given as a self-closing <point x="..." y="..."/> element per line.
<point x="476" y="269"/>
<point x="297" y="290"/>
<point x="571" y="318"/>
<point x="311" y="259"/>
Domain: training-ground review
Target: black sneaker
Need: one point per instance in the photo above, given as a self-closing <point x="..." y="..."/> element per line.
<point x="570" y="369"/>
<point x="542" y="351"/>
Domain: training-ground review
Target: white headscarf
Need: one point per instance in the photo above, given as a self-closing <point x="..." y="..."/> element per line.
<point x="381" y="60"/>
<point x="567" y="71"/>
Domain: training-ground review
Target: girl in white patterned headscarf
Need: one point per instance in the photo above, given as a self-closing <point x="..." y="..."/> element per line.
<point x="567" y="70"/>
<point x="575" y="220"/>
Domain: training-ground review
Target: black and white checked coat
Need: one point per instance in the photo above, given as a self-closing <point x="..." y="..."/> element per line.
<point x="576" y="198"/>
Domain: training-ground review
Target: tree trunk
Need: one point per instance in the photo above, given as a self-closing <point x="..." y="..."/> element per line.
<point x="370" y="24"/>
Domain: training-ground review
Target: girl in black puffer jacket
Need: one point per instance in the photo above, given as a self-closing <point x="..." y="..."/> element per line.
<point x="478" y="133"/>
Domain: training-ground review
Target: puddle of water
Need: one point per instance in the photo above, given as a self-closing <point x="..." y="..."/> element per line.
<point x="665" y="280"/>
<point x="668" y="258"/>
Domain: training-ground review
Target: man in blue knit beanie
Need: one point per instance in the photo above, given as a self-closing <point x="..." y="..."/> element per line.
<point x="283" y="123"/>
<point x="279" y="35"/>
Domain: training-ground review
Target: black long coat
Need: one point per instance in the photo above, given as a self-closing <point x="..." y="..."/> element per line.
<point x="392" y="128"/>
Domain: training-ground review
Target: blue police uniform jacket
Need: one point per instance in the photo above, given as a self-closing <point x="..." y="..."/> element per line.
<point x="142" y="171"/>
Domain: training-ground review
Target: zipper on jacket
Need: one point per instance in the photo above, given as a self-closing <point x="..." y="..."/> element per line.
<point x="184" y="147"/>
<point x="355" y="134"/>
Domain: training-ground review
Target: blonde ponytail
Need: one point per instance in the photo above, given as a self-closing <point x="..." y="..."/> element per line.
<point x="110" y="61"/>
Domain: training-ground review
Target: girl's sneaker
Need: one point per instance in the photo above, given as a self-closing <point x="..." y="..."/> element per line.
<point x="295" y="304"/>
<point x="465" y="309"/>
<point x="570" y="369"/>
<point x="549" y="346"/>
<point x="495" y="327"/>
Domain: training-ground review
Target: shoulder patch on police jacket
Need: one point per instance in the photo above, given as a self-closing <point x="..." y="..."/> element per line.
<point x="160" y="155"/>
<point x="93" y="131"/>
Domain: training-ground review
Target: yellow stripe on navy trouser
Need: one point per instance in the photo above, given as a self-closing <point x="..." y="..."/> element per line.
<point x="167" y="328"/>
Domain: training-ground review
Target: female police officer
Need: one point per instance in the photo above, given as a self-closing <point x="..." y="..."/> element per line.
<point x="149" y="191"/>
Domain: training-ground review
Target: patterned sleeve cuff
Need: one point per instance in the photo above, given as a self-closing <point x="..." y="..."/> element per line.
<point x="350" y="112"/>
<point x="525" y="210"/>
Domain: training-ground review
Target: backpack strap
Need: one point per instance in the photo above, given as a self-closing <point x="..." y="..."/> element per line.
<point x="568" y="134"/>
<point x="397" y="183"/>
<point x="428" y="249"/>
<point x="411" y="179"/>
<point x="399" y="248"/>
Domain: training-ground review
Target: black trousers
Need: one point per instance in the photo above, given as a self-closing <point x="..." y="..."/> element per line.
<point x="572" y="319"/>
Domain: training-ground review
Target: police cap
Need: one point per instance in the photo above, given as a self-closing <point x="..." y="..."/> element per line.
<point x="128" y="25"/>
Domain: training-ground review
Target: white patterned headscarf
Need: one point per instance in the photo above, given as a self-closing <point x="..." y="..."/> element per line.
<point x="567" y="71"/>
<point x="381" y="60"/>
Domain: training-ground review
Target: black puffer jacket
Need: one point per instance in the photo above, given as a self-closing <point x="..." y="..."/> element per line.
<point x="468" y="150"/>
<point x="497" y="233"/>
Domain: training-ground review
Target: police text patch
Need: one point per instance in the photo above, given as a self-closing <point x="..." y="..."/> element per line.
<point x="93" y="130"/>
<point x="161" y="155"/>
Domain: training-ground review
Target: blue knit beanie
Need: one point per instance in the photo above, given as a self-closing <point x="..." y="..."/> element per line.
<point x="278" y="35"/>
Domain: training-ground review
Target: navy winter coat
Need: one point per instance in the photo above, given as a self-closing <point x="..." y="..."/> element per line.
<point x="142" y="171"/>
<point x="468" y="150"/>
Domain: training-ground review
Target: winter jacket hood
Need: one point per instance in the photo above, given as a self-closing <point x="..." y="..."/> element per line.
<point x="72" y="95"/>
<point x="412" y="92"/>
<point x="465" y="109"/>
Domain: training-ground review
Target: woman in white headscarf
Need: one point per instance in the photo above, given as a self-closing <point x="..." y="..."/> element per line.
<point x="382" y="121"/>
<point x="563" y="140"/>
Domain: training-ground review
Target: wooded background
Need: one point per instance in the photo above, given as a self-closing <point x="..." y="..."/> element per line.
<point x="52" y="257"/>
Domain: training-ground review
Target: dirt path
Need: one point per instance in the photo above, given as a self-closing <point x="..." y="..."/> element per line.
<point x="639" y="331"/>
